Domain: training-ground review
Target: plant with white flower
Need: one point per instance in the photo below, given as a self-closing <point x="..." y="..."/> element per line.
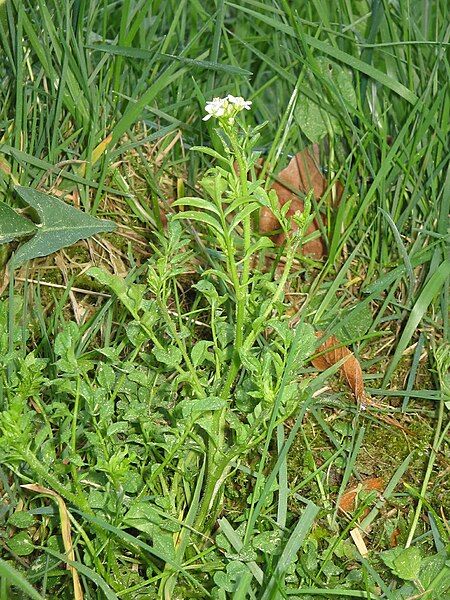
<point x="227" y="211"/>
<point x="226" y="109"/>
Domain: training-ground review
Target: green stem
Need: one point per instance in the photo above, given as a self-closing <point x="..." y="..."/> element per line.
<point x="76" y="408"/>
<point x="182" y="347"/>
<point x="217" y="470"/>
<point x="242" y="291"/>
<point x="250" y="340"/>
<point x="78" y="500"/>
<point x="216" y="442"/>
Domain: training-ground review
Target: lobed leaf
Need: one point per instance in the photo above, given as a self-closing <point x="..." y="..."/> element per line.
<point x="12" y="225"/>
<point x="61" y="225"/>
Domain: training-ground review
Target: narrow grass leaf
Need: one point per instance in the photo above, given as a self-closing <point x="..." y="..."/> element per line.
<point x="394" y="481"/>
<point x="86" y="571"/>
<point x="65" y="533"/>
<point x="348" y="59"/>
<point x="15" y="578"/>
<point x="293" y="545"/>
<point x="238" y="544"/>
<point x="429" y="292"/>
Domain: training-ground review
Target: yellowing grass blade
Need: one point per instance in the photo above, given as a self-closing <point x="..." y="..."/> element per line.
<point x="97" y="153"/>
<point x="65" y="532"/>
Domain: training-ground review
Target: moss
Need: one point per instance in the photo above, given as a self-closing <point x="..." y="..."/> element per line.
<point x="79" y="253"/>
<point x="118" y="241"/>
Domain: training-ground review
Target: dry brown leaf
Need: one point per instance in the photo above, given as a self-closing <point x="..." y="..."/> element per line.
<point x="331" y="352"/>
<point x="359" y="541"/>
<point x="393" y="540"/>
<point x="304" y="175"/>
<point x="65" y="532"/>
<point x="347" y="501"/>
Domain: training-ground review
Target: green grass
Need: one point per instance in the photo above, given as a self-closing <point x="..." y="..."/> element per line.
<point x="102" y="103"/>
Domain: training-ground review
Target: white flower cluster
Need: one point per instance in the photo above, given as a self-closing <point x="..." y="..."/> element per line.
<point x="226" y="108"/>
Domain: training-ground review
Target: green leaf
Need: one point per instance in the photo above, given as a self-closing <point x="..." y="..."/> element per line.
<point x="145" y="518"/>
<point x="61" y="225"/>
<point x="21" y="519"/>
<point x="139" y="53"/>
<point x="202" y="405"/>
<point x="336" y="53"/>
<point x="313" y="118"/>
<point x="199" y="352"/>
<point x="250" y="362"/>
<point x="435" y="572"/>
<point x="307" y="344"/>
<point x="405" y="563"/>
<point x="21" y="544"/>
<point x="267" y="541"/>
<point x="169" y="356"/>
<point x="194" y="202"/>
<point x="114" y="282"/>
<point x="12" y="225"/>
<point x="428" y="293"/>
<point x="354" y="323"/>
<point x="87" y="572"/>
<point x="204" y="218"/>
<point x="290" y="550"/>
<point x="130" y="294"/>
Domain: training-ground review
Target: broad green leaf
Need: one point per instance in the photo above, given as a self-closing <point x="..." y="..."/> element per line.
<point x="204" y="218"/>
<point x="13" y="225"/>
<point x="113" y="282"/>
<point x="245" y="212"/>
<point x="199" y="352"/>
<point x="307" y="343"/>
<point x="169" y="356"/>
<point x="356" y="323"/>
<point x="196" y="203"/>
<point x="210" y="152"/>
<point x="201" y="405"/>
<point x="61" y="225"/>
<point x="405" y="563"/>
<point x="146" y="519"/>
<point x="312" y="117"/>
<point x="21" y="544"/>
<point x="21" y="519"/>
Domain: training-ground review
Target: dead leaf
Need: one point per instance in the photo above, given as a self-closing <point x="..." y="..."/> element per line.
<point x="347" y="501"/>
<point x="359" y="542"/>
<point x="304" y="175"/>
<point x="331" y="352"/>
<point x="65" y="532"/>
<point x="96" y="154"/>
<point x="393" y="540"/>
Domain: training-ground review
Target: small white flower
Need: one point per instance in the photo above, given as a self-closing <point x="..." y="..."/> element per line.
<point x="226" y="108"/>
<point x="239" y="102"/>
<point x="216" y="108"/>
